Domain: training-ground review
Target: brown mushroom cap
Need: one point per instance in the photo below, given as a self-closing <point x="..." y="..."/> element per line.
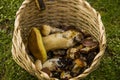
<point x="45" y="30"/>
<point x="36" y="46"/>
<point x="80" y="63"/>
<point x="89" y="42"/>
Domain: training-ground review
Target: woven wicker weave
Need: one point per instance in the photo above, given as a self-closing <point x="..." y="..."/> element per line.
<point x="58" y="12"/>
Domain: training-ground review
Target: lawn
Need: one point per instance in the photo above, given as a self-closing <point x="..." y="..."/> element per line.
<point x="109" y="68"/>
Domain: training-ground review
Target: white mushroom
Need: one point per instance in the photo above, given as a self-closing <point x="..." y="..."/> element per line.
<point x="38" y="64"/>
<point x="46" y="30"/>
<point x="73" y="52"/>
<point x="90" y="44"/>
<point x="51" y="64"/>
<point x="61" y="40"/>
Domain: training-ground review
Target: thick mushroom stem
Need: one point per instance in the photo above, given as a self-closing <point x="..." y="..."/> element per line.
<point x="61" y="40"/>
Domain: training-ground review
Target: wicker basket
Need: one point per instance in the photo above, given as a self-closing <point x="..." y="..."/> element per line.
<point x="66" y="12"/>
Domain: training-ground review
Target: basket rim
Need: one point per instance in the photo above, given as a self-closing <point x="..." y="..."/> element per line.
<point x="97" y="58"/>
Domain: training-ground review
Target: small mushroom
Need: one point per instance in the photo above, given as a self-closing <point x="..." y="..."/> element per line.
<point x="71" y="53"/>
<point x="78" y="65"/>
<point x="89" y="42"/>
<point x="51" y="64"/>
<point x="46" y="30"/>
<point x="74" y="52"/>
<point x="60" y="40"/>
<point x="38" y="64"/>
<point x="65" y="75"/>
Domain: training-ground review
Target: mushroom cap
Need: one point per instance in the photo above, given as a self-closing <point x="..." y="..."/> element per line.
<point x="80" y="63"/>
<point x="45" y="30"/>
<point x="36" y="46"/>
<point x="89" y="42"/>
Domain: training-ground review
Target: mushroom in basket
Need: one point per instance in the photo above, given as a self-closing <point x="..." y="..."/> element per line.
<point x="63" y="53"/>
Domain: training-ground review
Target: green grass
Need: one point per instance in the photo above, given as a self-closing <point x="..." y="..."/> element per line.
<point x="109" y="68"/>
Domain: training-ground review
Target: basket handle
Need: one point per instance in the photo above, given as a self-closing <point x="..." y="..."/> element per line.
<point x="40" y="4"/>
